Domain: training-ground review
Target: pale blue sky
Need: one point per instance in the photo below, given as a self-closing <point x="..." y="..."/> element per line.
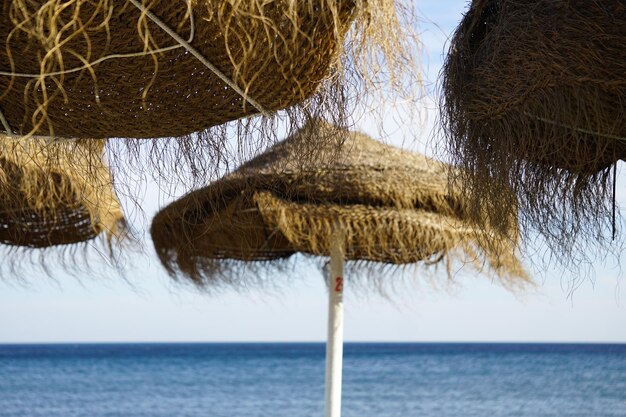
<point x="475" y="309"/>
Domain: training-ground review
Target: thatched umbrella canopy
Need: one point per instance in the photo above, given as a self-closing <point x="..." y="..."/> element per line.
<point x="183" y="69"/>
<point x="369" y="202"/>
<point x="533" y="96"/>
<point x="392" y="206"/>
<point x="143" y="91"/>
<point x="56" y="194"/>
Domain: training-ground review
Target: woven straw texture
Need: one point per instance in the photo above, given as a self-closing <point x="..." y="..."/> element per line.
<point x="277" y="52"/>
<point x="56" y="194"/>
<point x="391" y="206"/>
<point x="534" y="96"/>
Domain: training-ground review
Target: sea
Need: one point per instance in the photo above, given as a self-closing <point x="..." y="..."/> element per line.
<point x="287" y="379"/>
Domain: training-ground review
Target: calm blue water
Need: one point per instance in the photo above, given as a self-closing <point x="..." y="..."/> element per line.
<point x="381" y="380"/>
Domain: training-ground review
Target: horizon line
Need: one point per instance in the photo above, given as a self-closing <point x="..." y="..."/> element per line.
<point x="357" y="342"/>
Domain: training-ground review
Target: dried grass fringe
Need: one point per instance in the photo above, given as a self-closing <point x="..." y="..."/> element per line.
<point x="385" y="247"/>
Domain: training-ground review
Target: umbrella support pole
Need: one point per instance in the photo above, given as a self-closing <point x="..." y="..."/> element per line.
<point x="334" y="345"/>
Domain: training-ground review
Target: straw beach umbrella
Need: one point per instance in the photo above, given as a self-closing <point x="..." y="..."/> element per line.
<point x="533" y="95"/>
<point x="128" y="86"/>
<point x="369" y="203"/>
<point x="183" y="69"/>
<point x="56" y="194"/>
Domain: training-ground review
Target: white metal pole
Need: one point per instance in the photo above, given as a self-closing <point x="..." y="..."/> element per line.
<point x="334" y="345"/>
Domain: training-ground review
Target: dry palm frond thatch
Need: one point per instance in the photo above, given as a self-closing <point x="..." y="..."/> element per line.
<point x="392" y="206"/>
<point x="534" y="96"/>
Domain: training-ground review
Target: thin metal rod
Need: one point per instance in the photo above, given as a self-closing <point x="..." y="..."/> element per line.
<point x="199" y="56"/>
<point x="334" y="345"/>
<point x="577" y="129"/>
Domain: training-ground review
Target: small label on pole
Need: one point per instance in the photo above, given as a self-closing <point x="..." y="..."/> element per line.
<point x="339" y="284"/>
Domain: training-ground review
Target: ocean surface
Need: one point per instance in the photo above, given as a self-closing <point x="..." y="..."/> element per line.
<point x="380" y="380"/>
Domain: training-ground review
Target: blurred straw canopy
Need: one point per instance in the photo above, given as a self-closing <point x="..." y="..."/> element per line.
<point x="533" y="96"/>
<point x="56" y="194"/>
<point x="391" y="207"/>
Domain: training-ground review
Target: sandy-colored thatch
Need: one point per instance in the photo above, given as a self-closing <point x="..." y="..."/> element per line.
<point x="106" y="68"/>
<point x="391" y="206"/>
<point x="55" y="194"/>
<point x="534" y="96"/>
